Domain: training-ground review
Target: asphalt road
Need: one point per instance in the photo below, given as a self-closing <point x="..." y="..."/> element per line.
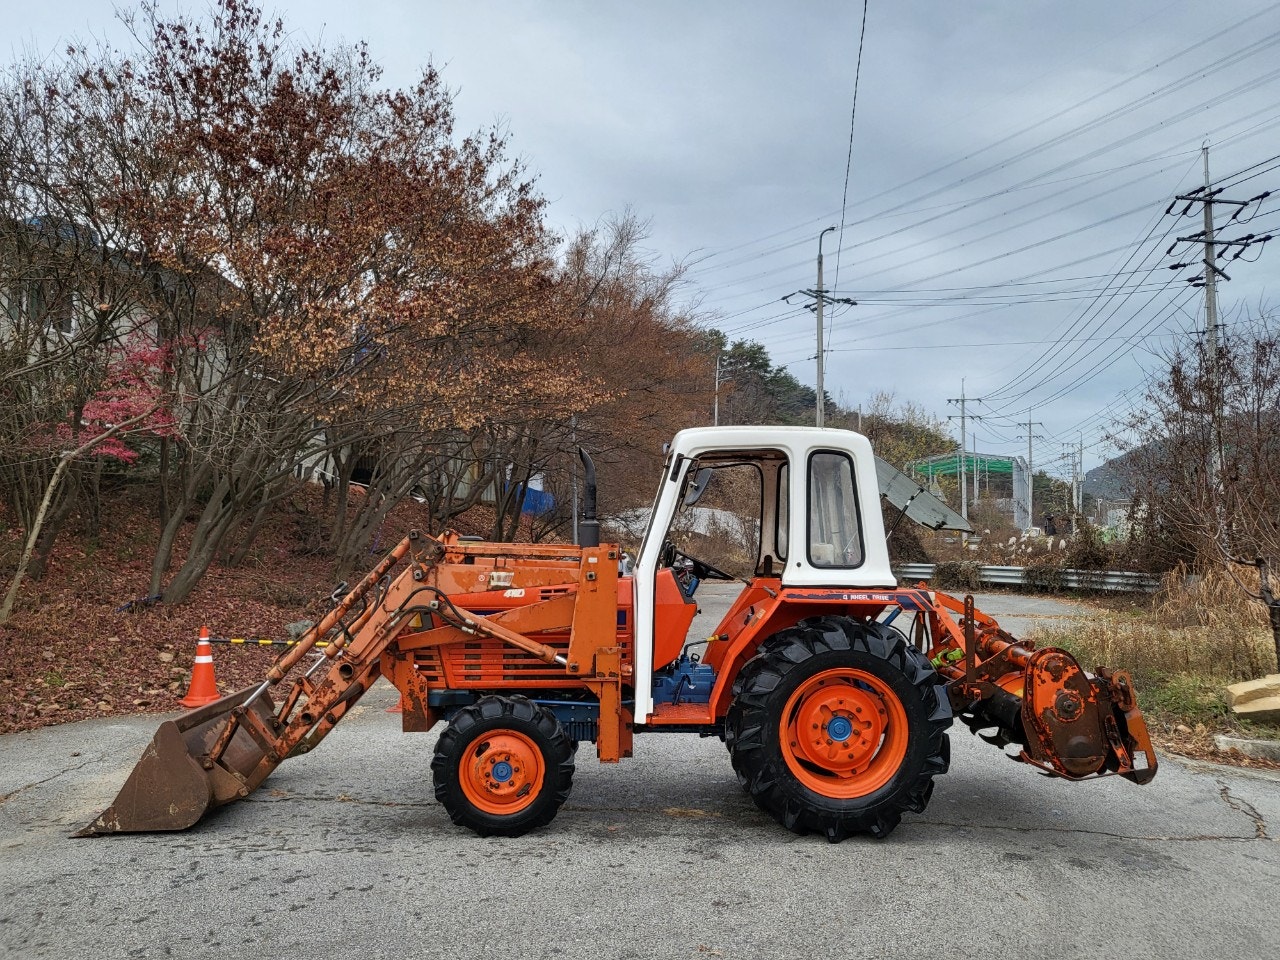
<point x="344" y="853"/>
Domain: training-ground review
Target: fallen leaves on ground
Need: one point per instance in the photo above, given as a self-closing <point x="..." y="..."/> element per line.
<point x="70" y="653"/>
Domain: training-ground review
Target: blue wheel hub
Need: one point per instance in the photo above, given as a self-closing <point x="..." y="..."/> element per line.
<point x="839" y="728"/>
<point x="502" y="771"/>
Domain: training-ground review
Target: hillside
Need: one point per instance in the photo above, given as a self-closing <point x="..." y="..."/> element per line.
<point x="1110" y="481"/>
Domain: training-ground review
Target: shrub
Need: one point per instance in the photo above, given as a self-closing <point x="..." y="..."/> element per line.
<point x="957" y="575"/>
<point x="1088" y="551"/>
<point x="1044" y="572"/>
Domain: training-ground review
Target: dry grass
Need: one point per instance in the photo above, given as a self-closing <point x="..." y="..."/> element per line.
<point x="1197" y="636"/>
<point x="1205" y="625"/>
<point x="1211" y="599"/>
<point x="1224" y="650"/>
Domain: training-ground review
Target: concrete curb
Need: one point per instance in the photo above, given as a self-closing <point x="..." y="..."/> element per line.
<point x="1261" y="749"/>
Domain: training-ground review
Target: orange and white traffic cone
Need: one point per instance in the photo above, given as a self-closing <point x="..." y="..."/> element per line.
<point x="203" y="688"/>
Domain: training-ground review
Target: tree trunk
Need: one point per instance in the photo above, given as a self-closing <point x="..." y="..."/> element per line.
<point x="1273" y="613"/>
<point x="196" y="478"/>
<point x="452" y="506"/>
<point x="6" y="610"/>
<point x="1273" y="605"/>
<point x="53" y="524"/>
<point x="345" y="467"/>
<point x="241" y="551"/>
<point x="93" y="504"/>
<point x="221" y="518"/>
<point x="519" y="494"/>
<point x="164" y="483"/>
<point x="33" y="535"/>
<point x="215" y="523"/>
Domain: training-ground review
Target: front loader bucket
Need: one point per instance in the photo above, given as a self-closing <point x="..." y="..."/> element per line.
<point x="176" y="783"/>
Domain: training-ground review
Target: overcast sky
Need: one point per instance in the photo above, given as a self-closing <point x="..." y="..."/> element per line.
<point x="1011" y="165"/>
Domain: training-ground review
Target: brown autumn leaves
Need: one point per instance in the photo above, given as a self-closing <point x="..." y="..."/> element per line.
<point x="328" y="281"/>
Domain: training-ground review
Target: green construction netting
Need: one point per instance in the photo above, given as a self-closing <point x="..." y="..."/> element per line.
<point x="950" y="466"/>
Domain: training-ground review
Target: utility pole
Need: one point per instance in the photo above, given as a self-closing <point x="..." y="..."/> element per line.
<point x="1206" y="196"/>
<point x="977" y="467"/>
<point x="1069" y="454"/>
<point x="1211" y="335"/>
<point x="1210" y="283"/>
<point x="715" y="409"/>
<point x="1077" y="475"/>
<point x="1031" y="480"/>
<point x="1080" y="471"/>
<point x="573" y="471"/>
<point x="964" y="417"/>
<point x="819" y="297"/>
<point x="1031" y="473"/>
<point x="964" y="488"/>
<point x="1075" y="478"/>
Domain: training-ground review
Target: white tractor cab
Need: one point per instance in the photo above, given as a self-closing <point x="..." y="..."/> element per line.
<point x="775" y="507"/>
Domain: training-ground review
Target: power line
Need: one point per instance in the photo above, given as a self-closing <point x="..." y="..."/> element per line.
<point x="1163" y="61"/>
<point x="848" y="163"/>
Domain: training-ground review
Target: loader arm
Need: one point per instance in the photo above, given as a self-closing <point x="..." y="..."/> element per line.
<point x="222" y="752"/>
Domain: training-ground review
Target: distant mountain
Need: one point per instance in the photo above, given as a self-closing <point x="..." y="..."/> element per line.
<point x="1111" y="480"/>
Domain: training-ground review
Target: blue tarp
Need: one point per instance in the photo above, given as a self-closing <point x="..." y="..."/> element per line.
<point x="537" y="502"/>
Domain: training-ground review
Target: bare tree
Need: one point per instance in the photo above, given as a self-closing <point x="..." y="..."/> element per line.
<point x="1206" y="465"/>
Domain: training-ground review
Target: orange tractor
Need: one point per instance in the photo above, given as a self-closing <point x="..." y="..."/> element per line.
<point x="832" y="687"/>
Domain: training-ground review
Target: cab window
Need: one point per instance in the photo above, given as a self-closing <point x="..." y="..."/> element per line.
<point x="835" y="535"/>
<point x="718" y="518"/>
<point x="782" y="512"/>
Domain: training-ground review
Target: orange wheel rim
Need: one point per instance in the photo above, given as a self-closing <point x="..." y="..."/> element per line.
<point x="501" y="772"/>
<point x="844" y="733"/>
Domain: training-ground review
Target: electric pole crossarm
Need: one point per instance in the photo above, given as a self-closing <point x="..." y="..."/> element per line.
<point x="1212" y="198"/>
<point x="1247" y="240"/>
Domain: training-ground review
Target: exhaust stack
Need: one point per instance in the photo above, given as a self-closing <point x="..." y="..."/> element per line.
<point x="588" y="526"/>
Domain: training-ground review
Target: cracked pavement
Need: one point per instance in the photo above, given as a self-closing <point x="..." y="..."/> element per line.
<point x="345" y="853"/>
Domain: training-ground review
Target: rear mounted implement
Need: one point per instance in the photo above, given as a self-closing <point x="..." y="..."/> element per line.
<point x="1066" y="722"/>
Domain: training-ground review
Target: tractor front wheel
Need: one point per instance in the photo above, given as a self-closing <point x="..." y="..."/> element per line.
<point x="838" y="726"/>
<point x="503" y="766"/>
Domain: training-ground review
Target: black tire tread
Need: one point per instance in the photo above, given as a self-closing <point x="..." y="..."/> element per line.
<point x="755" y="712"/>
<point x="492" y="713"/>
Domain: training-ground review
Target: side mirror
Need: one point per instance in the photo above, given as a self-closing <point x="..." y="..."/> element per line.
<point x="699" y="486"/>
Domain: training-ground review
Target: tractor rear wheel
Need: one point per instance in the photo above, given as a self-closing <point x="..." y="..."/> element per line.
<point x="838" y="726"/>
<point x="503" y="766"/>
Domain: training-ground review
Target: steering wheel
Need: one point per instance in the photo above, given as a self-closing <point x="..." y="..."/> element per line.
<point x="701" y="569"/>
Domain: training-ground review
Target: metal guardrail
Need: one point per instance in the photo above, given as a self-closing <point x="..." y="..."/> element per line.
<point x="1119" y="580"/>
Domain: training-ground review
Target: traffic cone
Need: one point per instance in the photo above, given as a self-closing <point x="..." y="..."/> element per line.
<point x="203" y="688"/>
